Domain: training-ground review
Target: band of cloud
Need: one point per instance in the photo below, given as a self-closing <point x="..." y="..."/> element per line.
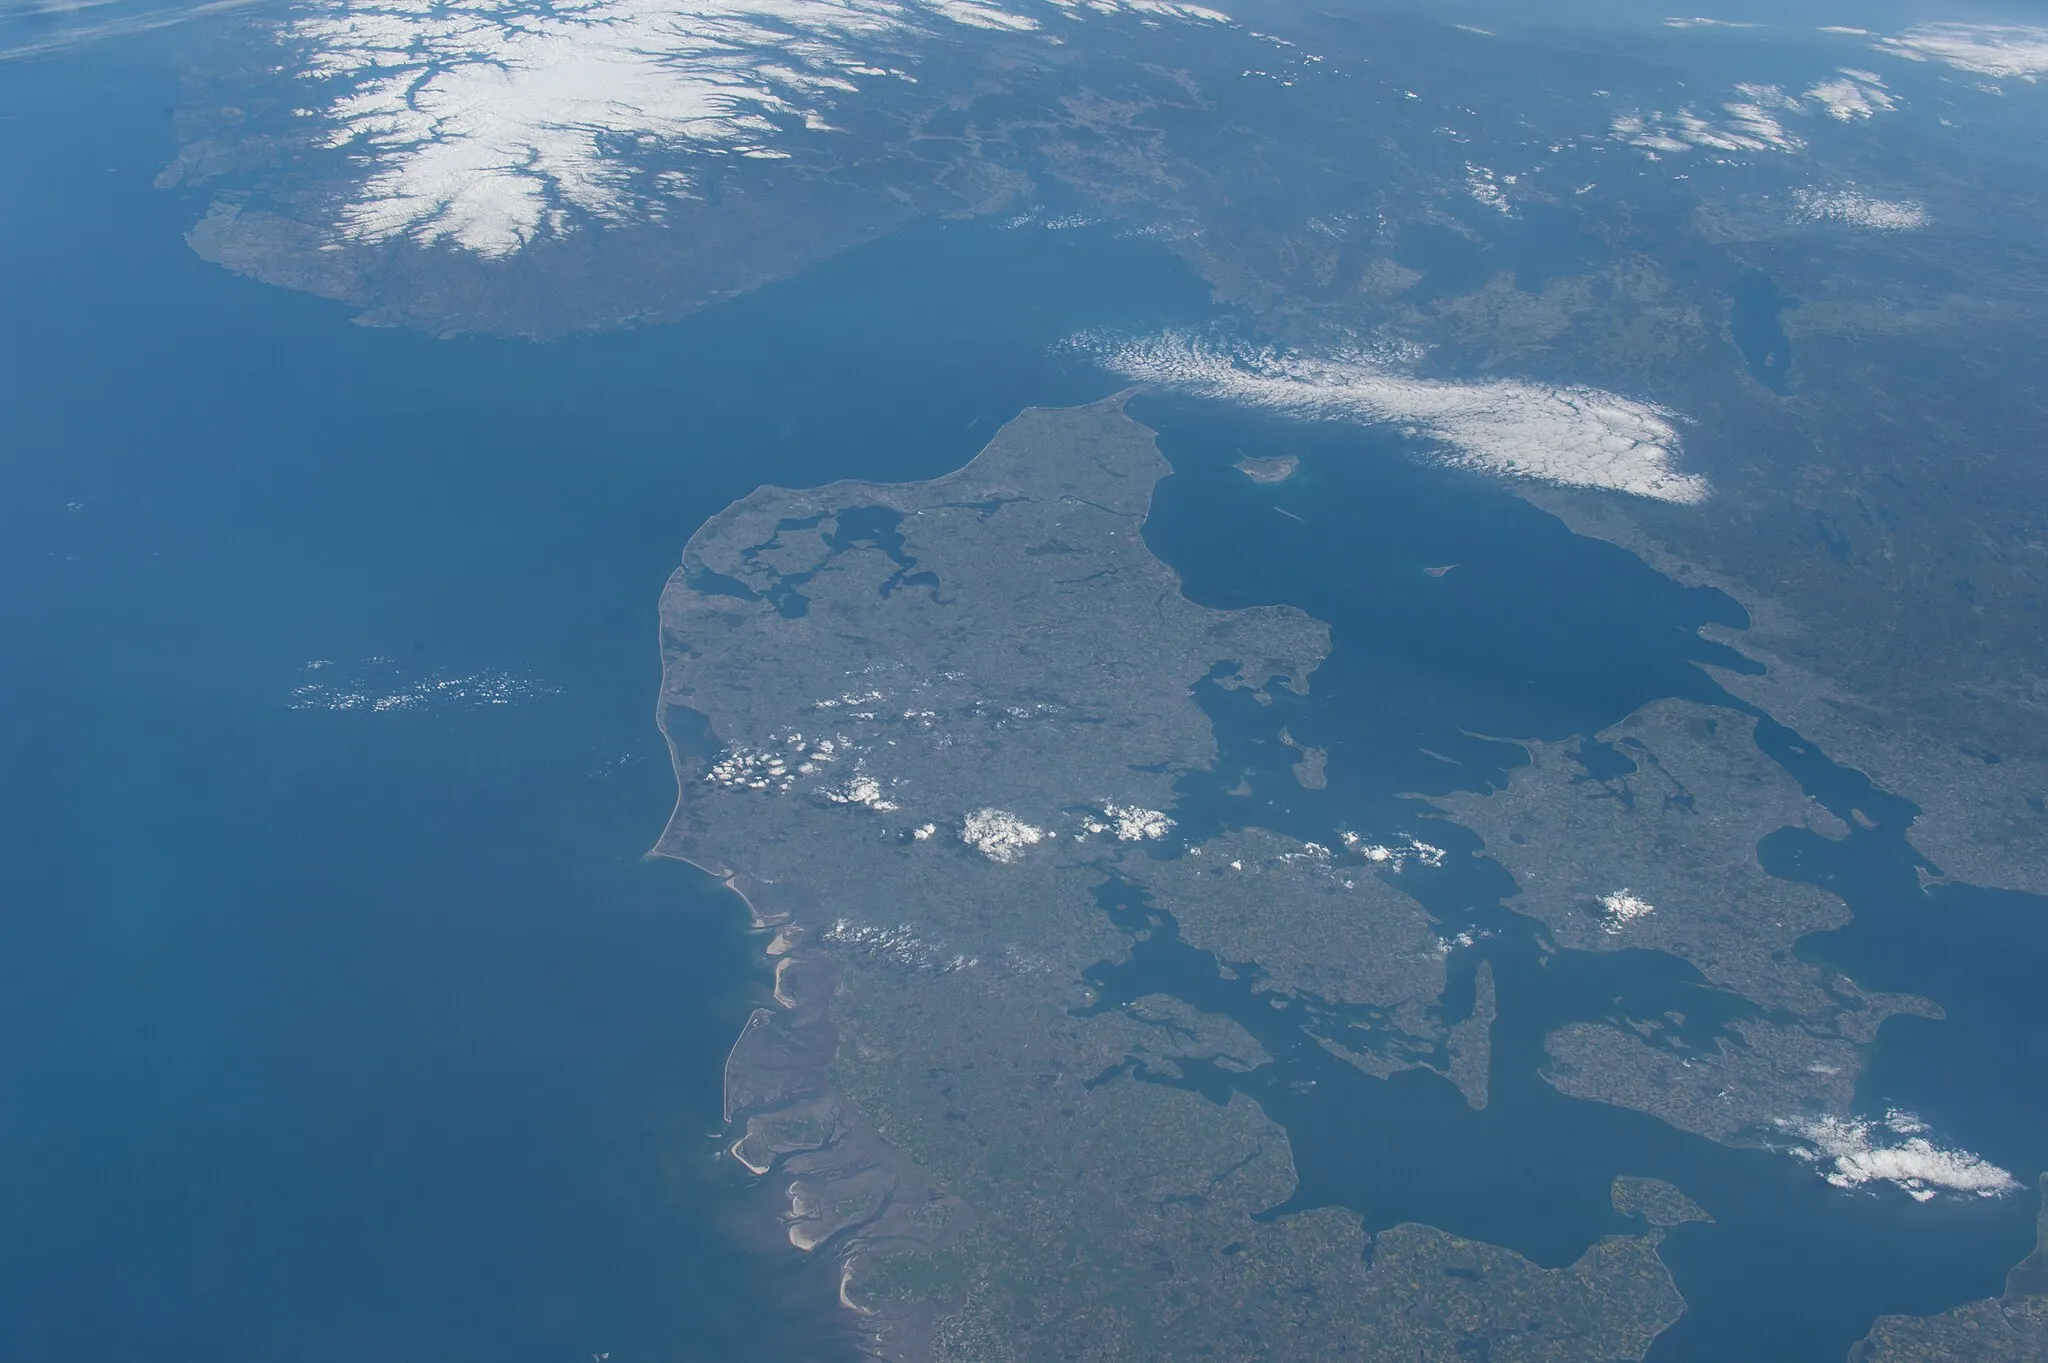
<point x="1569" y="436"/>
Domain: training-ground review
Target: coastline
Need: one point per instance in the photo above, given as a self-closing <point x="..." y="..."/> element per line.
<point x="844" y="1189"/>
<point x="848" y="1192"/>
<point x="1973" y="819"/>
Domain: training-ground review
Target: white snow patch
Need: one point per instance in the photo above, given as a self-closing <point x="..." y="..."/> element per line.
<point x="2002" y="50"/>
<point x="1622" y="908"/>
<point x="1574" y="437"/>
<point x="1856" y="209"/>
<point x="486" y="124"/>
<point x="1852" y="1152"/>
<point x="999" y="835"/>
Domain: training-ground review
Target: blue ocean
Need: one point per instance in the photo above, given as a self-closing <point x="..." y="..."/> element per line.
<point x="341" y="1014"/>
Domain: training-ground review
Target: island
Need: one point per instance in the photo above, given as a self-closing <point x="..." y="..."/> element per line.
<point x="1645" y="836"/>
<point x="1276" y="468"/>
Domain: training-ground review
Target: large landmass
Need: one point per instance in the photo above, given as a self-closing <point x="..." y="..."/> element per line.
<point x="1336" y="173"/>
<point x="932" y="732"/>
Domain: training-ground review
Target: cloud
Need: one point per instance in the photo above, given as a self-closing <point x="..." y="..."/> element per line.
<point x="1395" y="859"/>
<point x="1738" y="126"/>
<point x="1485" y="187"/>
<point x="1750" y="123"/>
<point x="377" y="687"/>
<point x="773" y="768"/>
<point x="2004" y="50"/>
<point x="1854" y="208"/>
<point x="128" y="25"/>
<point x="1852" y="1153"/>
<point x="1133" y="824"/>
<point x="1854" y="94"/>
<point x="1621" y="908"/>
<point x="899" y="944"/>
<point x="999" y="835"/>
<point x="485" y="124"/>
<point x="861" y="790"/>
<point x="1573" y="437"/>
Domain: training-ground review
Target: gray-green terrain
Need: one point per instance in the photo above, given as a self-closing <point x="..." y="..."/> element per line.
<point x="925" y="729"/>
<point x="1663" y="858"/>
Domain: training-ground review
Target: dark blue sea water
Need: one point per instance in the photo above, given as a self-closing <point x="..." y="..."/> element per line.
<point x="332" y="1034"/>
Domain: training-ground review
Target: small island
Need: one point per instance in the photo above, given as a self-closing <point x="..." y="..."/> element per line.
<point x="1276" y="468"/>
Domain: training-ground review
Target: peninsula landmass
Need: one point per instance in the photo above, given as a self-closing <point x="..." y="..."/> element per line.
<point x="932" y="733"/>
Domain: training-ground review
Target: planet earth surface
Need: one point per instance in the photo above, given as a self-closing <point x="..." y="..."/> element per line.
<point x="951" y="680"/>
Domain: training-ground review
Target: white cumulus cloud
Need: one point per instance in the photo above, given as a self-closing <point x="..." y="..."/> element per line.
<point x="1133" y="824"/>
<point x="998" y="834"/>
<point x="2004" y="50"/>
<point x="1854" y="208"/>
<point x="1745" y="125"/>
<point x="1485" y="187"/>
<point x="487" y="123"/>
<point x="865" y="791"/>
<point x="1574" y="437"/>
<point x="1851" y="1153"/>
<point x="1852" y="94"/>
<point x="1621" y="908"/>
